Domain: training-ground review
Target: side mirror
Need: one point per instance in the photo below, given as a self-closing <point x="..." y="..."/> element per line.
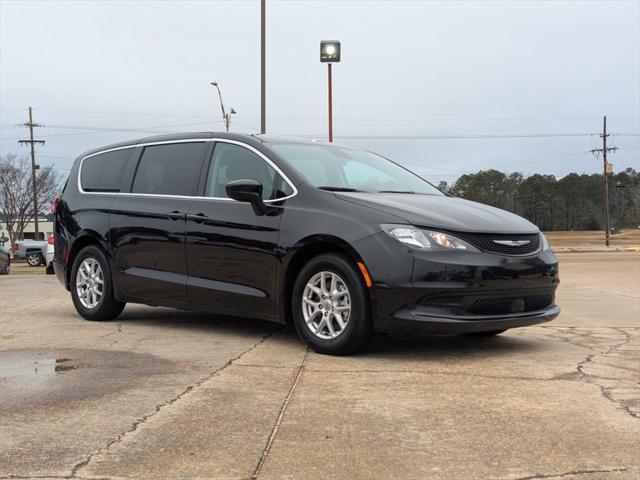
<point x="249" y="191"/>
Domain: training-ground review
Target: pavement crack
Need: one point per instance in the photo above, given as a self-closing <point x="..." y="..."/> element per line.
<point x="276" y="426"/>
<point x="110" y="334"/>
<point x="585" y="377"/>
<point x="573" y="472"/>
<point x="77" y="468"/>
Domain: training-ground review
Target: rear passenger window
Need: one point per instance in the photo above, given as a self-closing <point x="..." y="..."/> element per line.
<point x="106" y="172"/>
<point x="172" y="169"/>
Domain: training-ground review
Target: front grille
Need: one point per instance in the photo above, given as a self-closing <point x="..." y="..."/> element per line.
<point x="485" y="241"/>
<point x="504" y="305"/>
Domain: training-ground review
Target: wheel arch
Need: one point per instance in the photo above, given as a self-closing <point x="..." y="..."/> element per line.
<point x="83" y="240"/>
<point x="302" y="252"/>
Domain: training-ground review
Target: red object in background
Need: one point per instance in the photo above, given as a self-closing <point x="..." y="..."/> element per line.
<point x="54" y="205"/>
<point x="50" y="240"/>
<point x="14" y="247"/>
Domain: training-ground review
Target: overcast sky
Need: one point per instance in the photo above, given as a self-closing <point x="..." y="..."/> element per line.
<point x="417" y="69"/>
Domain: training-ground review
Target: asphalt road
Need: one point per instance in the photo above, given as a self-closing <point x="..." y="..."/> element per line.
<point x="168" y="394"/>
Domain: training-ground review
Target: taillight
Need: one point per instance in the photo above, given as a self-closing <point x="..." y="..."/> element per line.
<point x="54" y="205"/>
<point x="50" y="240"/>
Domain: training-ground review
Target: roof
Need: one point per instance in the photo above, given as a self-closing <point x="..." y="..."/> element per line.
<point x="243" y="137"/>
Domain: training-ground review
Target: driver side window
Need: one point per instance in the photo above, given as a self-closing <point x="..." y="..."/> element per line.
<point x="232" y="162"/>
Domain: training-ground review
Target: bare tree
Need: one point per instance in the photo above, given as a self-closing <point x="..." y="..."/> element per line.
<point x="16" y="192"/>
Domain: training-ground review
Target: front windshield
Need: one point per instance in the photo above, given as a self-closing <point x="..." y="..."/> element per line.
<point x="349" y="169"/>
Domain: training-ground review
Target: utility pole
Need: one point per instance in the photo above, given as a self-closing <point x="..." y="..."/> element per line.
<point x="263" y="72"/>
<point x="606" y="168"/>
<point x="34" y="167"/>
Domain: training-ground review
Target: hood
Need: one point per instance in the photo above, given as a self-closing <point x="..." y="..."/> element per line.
<point x="441" y="212"/>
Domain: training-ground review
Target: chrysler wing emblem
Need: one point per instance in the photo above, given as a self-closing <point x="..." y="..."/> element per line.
<point x="512" y="243"/>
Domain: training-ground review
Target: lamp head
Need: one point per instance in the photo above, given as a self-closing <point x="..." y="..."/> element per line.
<point x="329" y="51"/>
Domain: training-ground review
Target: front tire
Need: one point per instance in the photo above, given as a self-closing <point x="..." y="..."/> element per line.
<point x="330" y="306"/>
<point x="92" y="286"/>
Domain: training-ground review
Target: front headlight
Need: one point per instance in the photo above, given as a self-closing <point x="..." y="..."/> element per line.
<point x="545" y="243"/>
<point x="425" y="239"/>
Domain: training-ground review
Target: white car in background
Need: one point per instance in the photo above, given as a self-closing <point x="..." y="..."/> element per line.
<point x="49" y="255"/>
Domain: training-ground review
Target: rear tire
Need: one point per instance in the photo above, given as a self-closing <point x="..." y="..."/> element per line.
<point x="50" y="270"/>
<point x="34" y="259"/>
<point x="336" y="319"/>
<point x="92" y="289"/>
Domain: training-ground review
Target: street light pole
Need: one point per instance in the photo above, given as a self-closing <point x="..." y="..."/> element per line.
<point x="330" y="106"/>
<point x="226" y="117"/>
<point x="330" y="54"/>
<point x="263" y="73"/>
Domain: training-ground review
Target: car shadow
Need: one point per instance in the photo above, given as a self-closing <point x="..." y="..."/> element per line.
<point x="439" y="346"/>
<point x="392" y="346"/>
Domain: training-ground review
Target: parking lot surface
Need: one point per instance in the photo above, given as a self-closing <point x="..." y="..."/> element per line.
<point x="161" y="393"/>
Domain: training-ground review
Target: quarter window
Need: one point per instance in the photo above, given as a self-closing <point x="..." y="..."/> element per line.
<point x="106" y="172"/>
<point x="172" y="169"/>
<point x="232" y="162"/>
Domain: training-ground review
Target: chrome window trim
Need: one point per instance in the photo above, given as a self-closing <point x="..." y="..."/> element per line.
<point x="188" y="197"/>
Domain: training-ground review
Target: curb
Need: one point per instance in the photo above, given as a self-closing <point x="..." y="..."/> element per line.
<point x="593" y="249"/>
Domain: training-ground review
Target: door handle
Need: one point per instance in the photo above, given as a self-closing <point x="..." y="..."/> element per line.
<point x="198" y="217"/>
<point x="176" y="215"/>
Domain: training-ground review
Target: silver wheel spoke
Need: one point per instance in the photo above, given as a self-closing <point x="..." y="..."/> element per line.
<point x="321" y="325"/>
<point x="332" y="332"/>
<point x="314" y="289"/>
<point x="308" y="301"/>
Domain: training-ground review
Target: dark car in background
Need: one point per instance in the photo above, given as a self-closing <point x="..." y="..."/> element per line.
<point x="338" y="241"/>
<point x="5" y="261"/>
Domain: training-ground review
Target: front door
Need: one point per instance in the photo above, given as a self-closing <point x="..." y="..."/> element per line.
<point x="232" y="253"/>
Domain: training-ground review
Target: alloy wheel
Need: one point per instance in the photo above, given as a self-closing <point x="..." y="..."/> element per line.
<point x="326" y="305"/>
<point x="89" y="283"/>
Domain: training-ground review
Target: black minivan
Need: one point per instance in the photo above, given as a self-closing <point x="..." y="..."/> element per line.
<point x="338" y="241"/>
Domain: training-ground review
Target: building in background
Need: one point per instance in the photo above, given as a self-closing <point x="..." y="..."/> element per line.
<point x="45" y="225"/>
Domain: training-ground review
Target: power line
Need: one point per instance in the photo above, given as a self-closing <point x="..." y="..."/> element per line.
<point x="455" y="137"/>
<point x="404" y="118"/>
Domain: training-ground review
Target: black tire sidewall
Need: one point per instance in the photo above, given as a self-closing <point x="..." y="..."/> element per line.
<point x="107" y="308"/>
<point x="358" y="330"/>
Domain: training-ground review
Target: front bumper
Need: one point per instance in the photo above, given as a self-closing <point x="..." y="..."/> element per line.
<point x="460" y="291"/>
<point x="417" y="321"/>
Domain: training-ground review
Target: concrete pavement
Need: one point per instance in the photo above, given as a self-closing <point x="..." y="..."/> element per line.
<point x="168" y="394"/>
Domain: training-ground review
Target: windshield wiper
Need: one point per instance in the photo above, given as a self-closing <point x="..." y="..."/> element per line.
<point x="339" y="189"/>
<point x="396" y="191"/>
